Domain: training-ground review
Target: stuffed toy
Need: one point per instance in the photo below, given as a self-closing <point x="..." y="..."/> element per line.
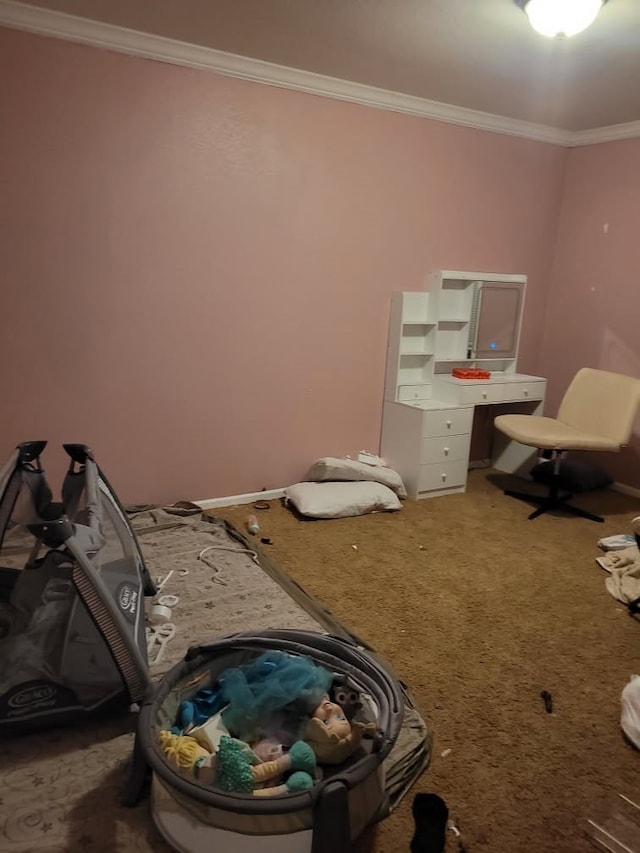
<point x="236" y="768"/>
<point x="347" y="697"/>
<point x="238" y="772"/>
<point x="185" y="753"/>
<point x="330" y="734"/>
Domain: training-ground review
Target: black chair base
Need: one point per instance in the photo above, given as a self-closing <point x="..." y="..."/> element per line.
<point x="553" y="501"/>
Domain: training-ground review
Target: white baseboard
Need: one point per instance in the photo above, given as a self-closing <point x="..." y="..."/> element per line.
<point x="236" y="500"/>
<point x="625" y="490"/>
<point x="275" y="494"/>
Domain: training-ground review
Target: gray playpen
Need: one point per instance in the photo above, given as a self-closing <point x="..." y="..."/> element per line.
<point x="72" y="586"/>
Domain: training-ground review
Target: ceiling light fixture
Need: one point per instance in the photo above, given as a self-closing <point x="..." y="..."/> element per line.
<point x="560" y="18"/>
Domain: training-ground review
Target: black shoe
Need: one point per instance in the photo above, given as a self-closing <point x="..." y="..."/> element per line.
<point x="430" y="814"/>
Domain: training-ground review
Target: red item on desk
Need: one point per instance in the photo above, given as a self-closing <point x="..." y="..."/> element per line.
<point x="470" y="373"/>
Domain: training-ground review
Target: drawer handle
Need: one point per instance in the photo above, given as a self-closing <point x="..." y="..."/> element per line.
<point x="445" y="451"/>
<point x="444" y="478"/>
<point x="484" y="395"/>
<point x="448" y="424"/>
<point x="526" y="392"/>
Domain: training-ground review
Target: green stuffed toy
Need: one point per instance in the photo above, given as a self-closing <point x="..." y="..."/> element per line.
<point x="237" y="770"/>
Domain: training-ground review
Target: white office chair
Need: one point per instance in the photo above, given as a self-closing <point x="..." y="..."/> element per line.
<point x="597" y="412"/>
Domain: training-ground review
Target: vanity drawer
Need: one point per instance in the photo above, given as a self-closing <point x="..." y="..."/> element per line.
<point x="445" y="448"/>
<point x="523" y="391"/>
<point x="479" y="394"/>
<point x="406" y="393"/>
<point x="447" y="476"/>
<point x="447" y="422"/>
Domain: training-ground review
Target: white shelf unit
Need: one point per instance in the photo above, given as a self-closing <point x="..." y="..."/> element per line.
<point x="455" y="303"/>
<point x="431" y="331"/>
<point x="411" y="347"/>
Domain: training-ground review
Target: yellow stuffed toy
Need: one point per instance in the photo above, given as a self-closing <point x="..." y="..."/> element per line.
<point x="186" y="754"/>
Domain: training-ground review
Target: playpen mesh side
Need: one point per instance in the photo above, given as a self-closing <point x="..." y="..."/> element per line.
<point x="135" y="677"/>
<point x="7" y="502"/>
<point x="230" y="820"/>
<point x="113" y="517"/>
<point x="362" y="799"/>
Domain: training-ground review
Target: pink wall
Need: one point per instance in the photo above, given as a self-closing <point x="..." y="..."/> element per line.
<point x="198" y="269"/>
<point x="594" y="297"/>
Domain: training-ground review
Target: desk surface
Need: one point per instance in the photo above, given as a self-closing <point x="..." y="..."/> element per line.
<point x="494" y="379"/>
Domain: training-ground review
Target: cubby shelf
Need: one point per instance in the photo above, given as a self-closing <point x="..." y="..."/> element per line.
<point x="437" y="326"/>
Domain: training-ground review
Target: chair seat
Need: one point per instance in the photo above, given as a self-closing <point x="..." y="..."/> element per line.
<point x="550" y="434"/>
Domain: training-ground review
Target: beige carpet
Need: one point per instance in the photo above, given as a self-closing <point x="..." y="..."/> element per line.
<point x="479" y="610"/>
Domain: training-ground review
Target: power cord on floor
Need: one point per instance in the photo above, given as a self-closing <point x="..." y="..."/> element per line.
<point x="218" y="576"/>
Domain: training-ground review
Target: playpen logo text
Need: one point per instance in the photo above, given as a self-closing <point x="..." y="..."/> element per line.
<point x="128" y="598"/>
<point x="43" y="695"/>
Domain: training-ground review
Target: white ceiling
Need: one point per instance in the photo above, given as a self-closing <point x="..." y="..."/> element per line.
<point x="475" y="54"/>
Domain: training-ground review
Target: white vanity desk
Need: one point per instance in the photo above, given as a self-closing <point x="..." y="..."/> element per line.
<point x="428" y="414"/>
<point x="428" y="441"/>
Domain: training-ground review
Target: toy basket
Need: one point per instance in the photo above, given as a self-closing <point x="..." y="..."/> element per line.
<point x="328" y="817"/>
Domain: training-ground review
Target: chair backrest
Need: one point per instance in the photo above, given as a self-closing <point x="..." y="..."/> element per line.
<point x="601" y="403"/>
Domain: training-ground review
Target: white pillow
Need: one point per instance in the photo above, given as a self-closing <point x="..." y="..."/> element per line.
<point x="340" y="500"/>
<point x="330" y="468"/>
<point x="630" y="720"/>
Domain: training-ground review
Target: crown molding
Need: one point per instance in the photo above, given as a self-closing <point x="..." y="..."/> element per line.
<point x="60" y="25"/>
<point x="611" y="133"/>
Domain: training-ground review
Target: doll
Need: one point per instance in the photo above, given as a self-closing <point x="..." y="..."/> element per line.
<point x="185" y="753"/>
<point x="330" y="734"/>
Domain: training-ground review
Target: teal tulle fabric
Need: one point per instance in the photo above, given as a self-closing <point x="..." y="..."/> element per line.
<point x="272" y="683"/>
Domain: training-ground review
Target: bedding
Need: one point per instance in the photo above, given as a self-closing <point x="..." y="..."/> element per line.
<point x="332" y="468"/>
<point x="341" y="499"/>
